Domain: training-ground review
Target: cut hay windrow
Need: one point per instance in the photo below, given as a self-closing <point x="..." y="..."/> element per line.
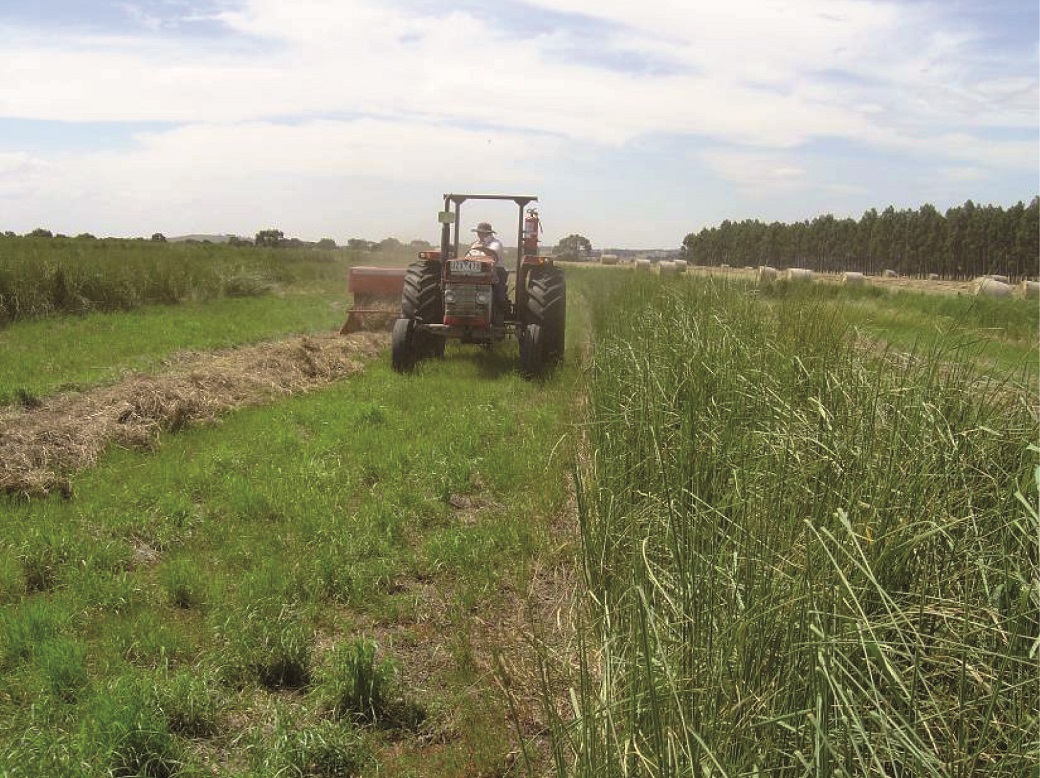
<point x="40" y="447"/>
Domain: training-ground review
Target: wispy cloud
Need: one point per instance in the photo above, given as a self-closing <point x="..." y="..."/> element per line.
<point x="415" y="90"/>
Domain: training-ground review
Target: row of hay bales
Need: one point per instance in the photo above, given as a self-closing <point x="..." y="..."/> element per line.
<point x="990" y="286"/>
<point x="665" y="268"/>
<point x="999" y="286"/>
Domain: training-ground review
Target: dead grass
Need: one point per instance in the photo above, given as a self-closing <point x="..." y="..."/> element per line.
<point x="40" y="447"/>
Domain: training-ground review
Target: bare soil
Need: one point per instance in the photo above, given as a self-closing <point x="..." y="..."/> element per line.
<point x="40" y="447"/>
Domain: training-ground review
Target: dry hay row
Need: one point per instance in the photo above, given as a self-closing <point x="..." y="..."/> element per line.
<point x="41" y="446"/>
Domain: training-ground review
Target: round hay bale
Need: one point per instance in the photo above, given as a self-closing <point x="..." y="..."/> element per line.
<point x="1002" y="279"/>
<point x="642" y="265"/>
<point x="986" y="286"/>
<point x="608" y="259"/>
<point x="667" y="269"/>
<point x="851" y="278"/>
<point x="680" y="265"/>
<point x="933" y="276"/>
<point x="1030" y="288"/>
<point x="886" y="273"/>
<point x="765" y="273"/>
<point x="798" y="274"/>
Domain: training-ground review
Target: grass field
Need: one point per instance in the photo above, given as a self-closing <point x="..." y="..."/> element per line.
<point x="803" y="556"/>
<point x="736" y="534"/>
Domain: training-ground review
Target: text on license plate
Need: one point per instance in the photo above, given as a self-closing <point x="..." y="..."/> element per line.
<point x="466" y="266"/>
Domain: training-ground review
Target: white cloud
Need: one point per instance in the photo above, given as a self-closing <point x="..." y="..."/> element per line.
<point x="754" y="78"/>
<point x="961" y="174"/>
<point x="756" y="173"/>
<point x="323" y="92"/>
<point x="237" y="174"/>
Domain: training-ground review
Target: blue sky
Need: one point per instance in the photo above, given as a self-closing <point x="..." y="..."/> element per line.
<point x="633" y="122"/>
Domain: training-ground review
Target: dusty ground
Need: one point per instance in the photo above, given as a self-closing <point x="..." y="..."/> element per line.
<point x="41" y="446"/>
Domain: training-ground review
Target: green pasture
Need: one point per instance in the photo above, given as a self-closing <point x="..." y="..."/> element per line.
<point x="803" y="556"/>
<point x="44" y="350"/>
<point x="802" y="522"/>
<point x="57" y="353"/>
<point x="248" y="593"/>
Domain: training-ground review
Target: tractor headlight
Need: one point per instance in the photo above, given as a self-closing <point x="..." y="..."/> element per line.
<point x="449" y="296"/>
<point x="482" y="298"/>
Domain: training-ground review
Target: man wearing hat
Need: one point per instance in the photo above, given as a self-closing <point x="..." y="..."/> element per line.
<point x="486" y="239"/>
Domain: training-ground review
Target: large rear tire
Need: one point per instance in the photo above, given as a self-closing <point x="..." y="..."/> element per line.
<point x="403" y="353"/>
<point x="532" y="354"/>
<point x="422" y="301"/>
<point x="421" y="298"/>
<point x="547" y="307"/>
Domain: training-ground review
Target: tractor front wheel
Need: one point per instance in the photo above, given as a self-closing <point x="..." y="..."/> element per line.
<point x="532" y="351"/>
<point x="402" y="346"/>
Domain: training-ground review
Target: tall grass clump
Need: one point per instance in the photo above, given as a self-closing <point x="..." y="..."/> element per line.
<point x="802" y="557"/>
<point x="44" y="276"/>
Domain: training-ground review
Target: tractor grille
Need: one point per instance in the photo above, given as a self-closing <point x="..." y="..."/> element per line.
<point x="460" y="301"/>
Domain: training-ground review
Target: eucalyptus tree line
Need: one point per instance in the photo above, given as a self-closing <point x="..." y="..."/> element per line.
<point x="967" y="241"/>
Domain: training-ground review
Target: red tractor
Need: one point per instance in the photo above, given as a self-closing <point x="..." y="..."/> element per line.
<point x="448" y="296"/>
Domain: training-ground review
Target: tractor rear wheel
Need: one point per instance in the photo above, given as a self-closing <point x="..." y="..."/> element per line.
<point x="421" y="298"/>
<point x="403" y="353"/>
<point x="547" y="307"/>
<point x="532" y="351"/>
<point x="422" y="301"/>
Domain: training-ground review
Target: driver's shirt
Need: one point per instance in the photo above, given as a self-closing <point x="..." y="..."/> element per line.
<point x="493" y="243"/>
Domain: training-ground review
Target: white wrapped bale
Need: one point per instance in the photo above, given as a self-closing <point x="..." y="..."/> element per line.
<point x="609" y="259"/>
<point x="667" y="269"/>
<point x="798" y="274"/>
<point x="987" y="287"/>
<point x="680" y="266"/>
<point x="886" y="273"/>
<point x="765" y="274"/>
<point x="642" y="265"/>
<point x="933" y="276"/>
<point x="1030" y="289"/>
<point x="851" y="278"/>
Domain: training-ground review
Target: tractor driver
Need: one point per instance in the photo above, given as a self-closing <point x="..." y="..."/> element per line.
<point x="486" y="239"/>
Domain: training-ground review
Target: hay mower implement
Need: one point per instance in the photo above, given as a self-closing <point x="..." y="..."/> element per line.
<point x="450" y="294"/>
<point x="376" y="292"/>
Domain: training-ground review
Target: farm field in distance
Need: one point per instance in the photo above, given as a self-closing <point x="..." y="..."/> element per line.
<point x="780" y="529"/>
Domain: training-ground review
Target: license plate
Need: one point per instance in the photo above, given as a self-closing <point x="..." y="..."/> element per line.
<point x="466" y="266"/>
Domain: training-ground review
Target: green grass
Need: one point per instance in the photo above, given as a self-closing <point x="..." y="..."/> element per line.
<point x="247" y="583"/>
<point x="801" y="557"/>
<point x="1005" y="330"/>
<point x="47" y="355"/>
<point x="40" y="277"/>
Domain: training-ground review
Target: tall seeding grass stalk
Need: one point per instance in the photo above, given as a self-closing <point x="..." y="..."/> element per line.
<point x="43" y="276"/>
<point x="802" y="556"/>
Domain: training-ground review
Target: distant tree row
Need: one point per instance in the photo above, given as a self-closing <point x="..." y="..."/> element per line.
<point x="574" y="247"/>
<point x="269" y="238"/>
<point x="965" y="242"/>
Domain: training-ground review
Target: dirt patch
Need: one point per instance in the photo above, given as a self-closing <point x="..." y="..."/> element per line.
<point x="40" y="447"/>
